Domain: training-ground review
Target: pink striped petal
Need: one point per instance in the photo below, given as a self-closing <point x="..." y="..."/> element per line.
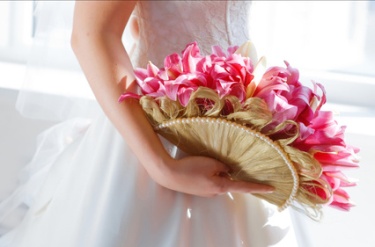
<point x="128" y="95"/>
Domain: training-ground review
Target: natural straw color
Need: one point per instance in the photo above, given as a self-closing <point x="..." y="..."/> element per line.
<point x="238" y="140"/>
<point x="194" y="135"/>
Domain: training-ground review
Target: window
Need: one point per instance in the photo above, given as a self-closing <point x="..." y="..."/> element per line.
<point x="16" y="27"/>
<point x="326" y="35"/>
<point x="329" y="41"/>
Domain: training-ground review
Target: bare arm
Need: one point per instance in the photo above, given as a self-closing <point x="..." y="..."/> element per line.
<point x="96" y="41"/>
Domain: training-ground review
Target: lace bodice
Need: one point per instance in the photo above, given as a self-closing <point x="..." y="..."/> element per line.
<point x="168" y="26"/>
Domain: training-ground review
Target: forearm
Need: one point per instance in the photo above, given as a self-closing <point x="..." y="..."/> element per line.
<point x="109" y="72"/>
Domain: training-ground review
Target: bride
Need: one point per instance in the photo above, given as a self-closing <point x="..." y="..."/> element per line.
<point x="118" y="183"/>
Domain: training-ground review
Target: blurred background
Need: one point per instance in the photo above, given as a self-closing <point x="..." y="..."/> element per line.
<point x="331" y="42"/>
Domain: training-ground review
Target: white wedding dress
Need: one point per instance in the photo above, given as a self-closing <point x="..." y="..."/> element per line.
<point x="85" y="188"/>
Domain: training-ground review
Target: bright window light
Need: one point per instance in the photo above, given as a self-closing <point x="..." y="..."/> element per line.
<point x="4" y="23"/>
<point x="329" y="41"/>
<point x="323" y="35"/>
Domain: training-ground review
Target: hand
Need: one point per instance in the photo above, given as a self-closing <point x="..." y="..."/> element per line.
<point x="204" y="176"/>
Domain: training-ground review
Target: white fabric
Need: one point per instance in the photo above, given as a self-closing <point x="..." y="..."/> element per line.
<point x="167" y="27"/>
<point x="84" y="187"/>
<point x="54" y="86"/>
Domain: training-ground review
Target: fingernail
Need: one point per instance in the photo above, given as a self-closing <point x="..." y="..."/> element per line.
<point x="269" y="190"/>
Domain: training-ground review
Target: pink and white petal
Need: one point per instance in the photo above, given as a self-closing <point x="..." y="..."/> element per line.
<point x="125" y="96"/>
<point x="218" y="51"/>
<point x="184" y="94"/>
<point x="152" y="69"/>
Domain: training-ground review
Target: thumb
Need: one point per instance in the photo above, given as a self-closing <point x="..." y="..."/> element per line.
<point x="228" y="185"/>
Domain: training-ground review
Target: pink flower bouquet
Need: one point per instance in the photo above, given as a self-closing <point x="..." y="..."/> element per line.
<point x="260" y="121"/>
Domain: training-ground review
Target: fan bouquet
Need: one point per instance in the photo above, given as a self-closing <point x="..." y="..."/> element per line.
<point x="262" y="122"/>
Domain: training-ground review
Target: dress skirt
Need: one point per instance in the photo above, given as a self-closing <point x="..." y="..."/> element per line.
<point x="85" y="187"/>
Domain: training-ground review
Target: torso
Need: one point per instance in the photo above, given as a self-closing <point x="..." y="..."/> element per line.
<point x="166" y="27"/>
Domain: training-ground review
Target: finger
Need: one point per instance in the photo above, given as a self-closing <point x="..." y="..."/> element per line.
<point x="221" y="168"/>
<point x="226" y="185"/>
